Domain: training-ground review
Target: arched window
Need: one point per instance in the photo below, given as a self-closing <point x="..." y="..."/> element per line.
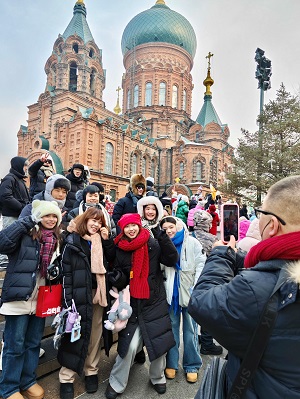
<point x="91" y="53"/>
<point x="198" y="171"/>
<point x="112" y="193"/>
<point x="128" y="99"/>
<point x="148" y="94"/>
<point x="144" y="166"/>
<point x="184" y="100"/>
<point x="75" y="48"/>
<point x="162" y="93"/>
<point x="136" y="96"/>
<point x="109" y="155"/>
<point x="153" y="171"/>
<point x="181" y="170"/>
<point x="175" y="96"/>
<point x="92" y="82"/>
<point x="134" y="164"/>
<point x="73" y="76"/>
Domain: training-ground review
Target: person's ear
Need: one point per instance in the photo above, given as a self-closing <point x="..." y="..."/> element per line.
<point x="274" y="226"/>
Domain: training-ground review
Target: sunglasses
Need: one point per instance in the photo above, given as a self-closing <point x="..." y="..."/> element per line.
<point x="258" y="211"/>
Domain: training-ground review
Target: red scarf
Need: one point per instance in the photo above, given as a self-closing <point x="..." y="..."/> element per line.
<point x="47" y="247"/>
<point x="285" y="247"/>
<point x="139" y="287"/>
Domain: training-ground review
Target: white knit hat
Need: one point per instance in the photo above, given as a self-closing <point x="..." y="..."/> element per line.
<point x="43" y="208"/>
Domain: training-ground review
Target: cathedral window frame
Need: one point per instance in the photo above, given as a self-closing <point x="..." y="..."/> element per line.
<point x="75" y="47"/>
<point x="109" y="158"/>
<point x="162" y="93"/>
<point x="175" y="96"/>
<point x="184" y="100"/>
<point x="136" y="96"/>
<point x="148" y="94"/>
<point x="73" y="77"/>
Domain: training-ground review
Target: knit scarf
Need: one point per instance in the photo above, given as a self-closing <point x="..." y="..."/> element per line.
<point x="177" y="241"/>
<point x="97" y="267"/>
<point x="47" y="248"/>
<point x="139" y="287"/>
<point x="149" y="224"/>
<point x="285" y="247"/>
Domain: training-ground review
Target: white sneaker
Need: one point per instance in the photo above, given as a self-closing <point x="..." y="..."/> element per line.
<point x="42" y="352"/>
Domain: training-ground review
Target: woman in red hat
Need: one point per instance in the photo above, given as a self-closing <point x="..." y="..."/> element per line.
<point x="138" y="258"/>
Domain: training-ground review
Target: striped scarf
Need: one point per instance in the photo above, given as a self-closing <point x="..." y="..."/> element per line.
<point x="47" y="248"/>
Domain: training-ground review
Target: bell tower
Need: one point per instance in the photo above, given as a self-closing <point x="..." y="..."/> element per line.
<point x="76" y="61"/>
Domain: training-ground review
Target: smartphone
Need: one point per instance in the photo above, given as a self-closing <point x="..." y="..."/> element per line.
<point x="229" y="221"/>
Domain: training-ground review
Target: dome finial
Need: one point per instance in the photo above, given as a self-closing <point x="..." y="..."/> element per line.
<point x="208" y="82"/>
<point x="80" y="2"/>
<point x="117" y="108"/>
<point x="160" y="2"/>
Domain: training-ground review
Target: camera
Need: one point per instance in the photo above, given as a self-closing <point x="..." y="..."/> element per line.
<point x="53" y="271"/>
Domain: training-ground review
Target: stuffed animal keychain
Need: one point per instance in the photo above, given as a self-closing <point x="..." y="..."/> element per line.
<point x="120" y="312"/>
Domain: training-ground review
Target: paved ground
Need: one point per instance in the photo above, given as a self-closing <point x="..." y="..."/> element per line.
<point x="138" y="386"/>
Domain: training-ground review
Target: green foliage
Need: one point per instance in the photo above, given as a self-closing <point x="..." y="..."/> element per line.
<point x="264" y="157"/>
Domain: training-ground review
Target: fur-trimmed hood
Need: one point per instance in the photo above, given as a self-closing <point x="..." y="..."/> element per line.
<point x="135" y="180"/>
<point x="150" y="200"/>
<point x="293" y="271"/>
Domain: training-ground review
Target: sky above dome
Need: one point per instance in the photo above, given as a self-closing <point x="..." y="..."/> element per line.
<point x="232" y="34"/>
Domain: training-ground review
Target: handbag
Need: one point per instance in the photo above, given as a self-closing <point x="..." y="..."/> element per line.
<point x="49" y="300"/>
<point x="213" y="384"/>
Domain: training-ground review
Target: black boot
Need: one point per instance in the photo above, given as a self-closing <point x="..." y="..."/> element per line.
<point x="110" y="393"/>
<point x="211" y="350"/>
<point x="66" y="391"/>
<point x="140" y="357"/>
<point x="91" y="383"/>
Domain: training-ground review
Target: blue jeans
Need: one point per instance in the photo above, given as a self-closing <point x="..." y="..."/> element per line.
<point x="191" y="355"/>
<point x="22" y="339"/>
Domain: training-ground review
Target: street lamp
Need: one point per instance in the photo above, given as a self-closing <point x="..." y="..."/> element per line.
<point x="263" y="74"/>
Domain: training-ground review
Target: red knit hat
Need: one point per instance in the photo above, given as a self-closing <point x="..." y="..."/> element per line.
<point x="212" y="208"/>
<point x="129" y="218"/>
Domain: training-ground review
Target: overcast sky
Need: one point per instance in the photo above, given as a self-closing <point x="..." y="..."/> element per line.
<point x="230" y="29"/>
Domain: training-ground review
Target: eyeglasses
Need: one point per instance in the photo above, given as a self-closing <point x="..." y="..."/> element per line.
<point x="258" y="211"/>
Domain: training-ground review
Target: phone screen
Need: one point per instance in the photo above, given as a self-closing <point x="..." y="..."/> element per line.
<point x="230" y="221"/>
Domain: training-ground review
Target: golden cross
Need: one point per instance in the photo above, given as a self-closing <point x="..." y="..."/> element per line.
<point x="177" y="180"/>
<point x="118" y="90"/>
<point x="209" y="57"/>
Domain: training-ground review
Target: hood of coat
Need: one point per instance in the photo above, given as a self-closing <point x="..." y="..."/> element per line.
<point x="253" y="230"/>
<point x="17" y="166"/>
<point x="150" y="200"/>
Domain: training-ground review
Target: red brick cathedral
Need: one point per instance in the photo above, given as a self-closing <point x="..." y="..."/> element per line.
<point x="153" y="133"/>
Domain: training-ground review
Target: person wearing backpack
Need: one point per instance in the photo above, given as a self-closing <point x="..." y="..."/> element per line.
<point x="14" y="195"/>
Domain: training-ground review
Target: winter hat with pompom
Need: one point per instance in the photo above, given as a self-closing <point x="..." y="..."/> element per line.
<point x="43" y="208"/>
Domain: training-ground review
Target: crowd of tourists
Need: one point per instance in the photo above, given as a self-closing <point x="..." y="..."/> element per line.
<point x="163" y="261"/>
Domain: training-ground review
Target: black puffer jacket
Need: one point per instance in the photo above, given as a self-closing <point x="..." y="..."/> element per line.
<point x="77" y="183"/>
<point x="230" y="307"/>
<point x="127" y="204"/>
<point x="23" y="255"/>
<point x="13" y="191"/>
<point x="151" y="315"/>
<point x="78" y="282"/>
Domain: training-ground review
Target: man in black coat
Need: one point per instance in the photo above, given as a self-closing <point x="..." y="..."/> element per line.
<point x="13" y="194"/>
<point x="76" y="177"/>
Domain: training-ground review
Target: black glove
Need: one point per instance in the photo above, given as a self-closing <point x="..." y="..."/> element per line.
<point x="117" y="279"/>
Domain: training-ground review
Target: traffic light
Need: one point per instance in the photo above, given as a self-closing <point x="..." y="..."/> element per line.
<point x="263" y="70"/>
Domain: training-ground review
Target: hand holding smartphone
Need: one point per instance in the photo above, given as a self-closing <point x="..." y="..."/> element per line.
<point x="229" y="221"/>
